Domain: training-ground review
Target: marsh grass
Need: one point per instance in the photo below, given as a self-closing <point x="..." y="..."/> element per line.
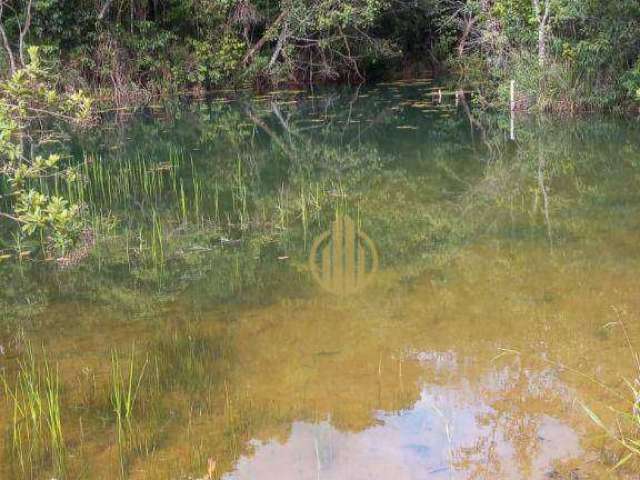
<point x="626" y="429"/>
<point x="36" y="440"/>
<point x="626" y="432"/>
<point x="150" y="213"/>
<point x="157" y="246"/>
<point x="125" y="385"/>
<point x="132" y="405"/>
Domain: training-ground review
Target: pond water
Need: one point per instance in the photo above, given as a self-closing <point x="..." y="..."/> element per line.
<point x="369" y="283"/>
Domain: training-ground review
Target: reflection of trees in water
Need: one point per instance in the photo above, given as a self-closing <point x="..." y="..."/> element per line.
<point x="275" y="169"/>
<point x="495" y="418"/>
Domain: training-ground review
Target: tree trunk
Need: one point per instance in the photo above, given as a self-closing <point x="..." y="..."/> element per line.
<point x="104" y="9"/>
<point x="282" y="39"/>
<point x="465" y="35"/>
<point x="260" y="43"/>
<point x="542" y="45"/>
<point x="543" y="21"/>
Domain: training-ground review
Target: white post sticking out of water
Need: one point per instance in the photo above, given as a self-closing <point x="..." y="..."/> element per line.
<point x="439" y="95"/>
<point x="512" y="102"/>
<point x="512" y="135"/>
<point x="512" y="106"/>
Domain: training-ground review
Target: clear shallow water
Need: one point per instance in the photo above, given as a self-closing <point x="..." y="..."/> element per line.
<point x="505" y="269"/>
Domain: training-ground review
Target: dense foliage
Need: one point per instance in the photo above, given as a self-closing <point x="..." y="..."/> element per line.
<point x="570" y="54"/>
<point x="29" y="159"/>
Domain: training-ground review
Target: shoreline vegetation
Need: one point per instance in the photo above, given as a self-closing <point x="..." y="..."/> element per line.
<point x="564" y="56"/>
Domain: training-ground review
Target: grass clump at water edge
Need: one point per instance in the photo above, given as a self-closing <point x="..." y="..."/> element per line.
<point x="36" y="440"/>
<point x="125" y="385"/>
<point x="626" y="432"/>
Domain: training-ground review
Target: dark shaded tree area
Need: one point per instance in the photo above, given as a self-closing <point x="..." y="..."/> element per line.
<point x="563" y="53"/>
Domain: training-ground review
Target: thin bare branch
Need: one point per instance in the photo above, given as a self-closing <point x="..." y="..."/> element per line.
<point x="23" y="33"/>
<point x="5" y="41"/>
<point x="104" y="9"/>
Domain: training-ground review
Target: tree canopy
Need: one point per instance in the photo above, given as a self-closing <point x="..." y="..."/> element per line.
<point x="581" y="52"/>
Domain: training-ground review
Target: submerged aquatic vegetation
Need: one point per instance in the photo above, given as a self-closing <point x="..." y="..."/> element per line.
<point x="125" y="386"/>
<point x="187" y="359"/>
<point x="36" y="437"/>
